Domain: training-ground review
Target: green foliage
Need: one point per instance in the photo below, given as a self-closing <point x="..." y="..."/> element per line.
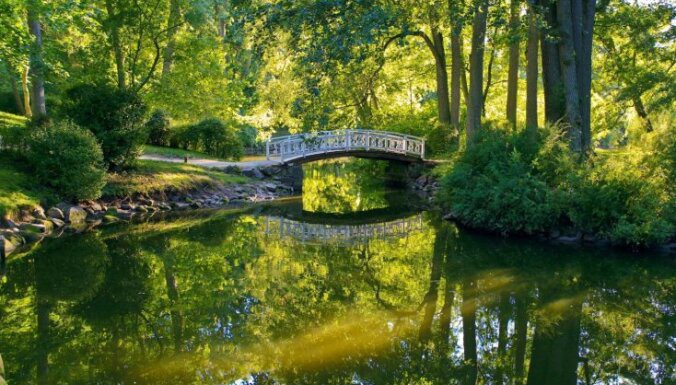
<point x="68" y="159"/>
<point x="157" y="127"/>
<point x="212" y="136"/>
<point x="114" y="116"/>
<point x="501" y="182"/>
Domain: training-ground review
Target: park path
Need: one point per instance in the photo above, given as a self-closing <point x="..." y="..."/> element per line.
<point x="210" y="163"/>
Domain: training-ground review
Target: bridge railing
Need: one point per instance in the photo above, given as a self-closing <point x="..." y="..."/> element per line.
<point x="290" y="147"/>
<point x="341" y="234"/>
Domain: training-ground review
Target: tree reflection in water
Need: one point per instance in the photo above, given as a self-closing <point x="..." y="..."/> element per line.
<point x="212" y="299"/>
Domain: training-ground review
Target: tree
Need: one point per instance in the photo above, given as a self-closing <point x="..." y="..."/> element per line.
<point x="532" y="68"/>
<point x="476" y="69"/>
<point x="513" y="72"/>
<point x="37" y="64"/>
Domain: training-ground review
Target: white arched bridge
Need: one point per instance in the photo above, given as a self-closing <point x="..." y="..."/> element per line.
<point x="306" y="147"/>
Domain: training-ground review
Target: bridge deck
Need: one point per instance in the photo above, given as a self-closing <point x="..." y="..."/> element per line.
<point x="307" y="147"/>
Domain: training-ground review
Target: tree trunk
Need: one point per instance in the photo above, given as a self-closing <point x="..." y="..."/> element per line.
<point x="26" y="93"/>
<point x="569" y="74"/>
<point x="584" y="70"/>
<point x="430" y="300"/>
<point x="551" y="71"/>
<point x="468" y="310"/>
<point x="442" y="78"/>
<point x="513" y="72"/>
<point x="39" y="106"/>
<point x="532" y="69"/>
<point x="172" y="27"/>
<point x="116" y="44"/>
<point x="456" y="64"/>
<point x="504" y="311"/>
<point x="476" y="71"/>
<point x="15" y="93"/>
<point x="489" y="78"/>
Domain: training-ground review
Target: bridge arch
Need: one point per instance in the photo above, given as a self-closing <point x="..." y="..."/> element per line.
<point x="307" y="147"/>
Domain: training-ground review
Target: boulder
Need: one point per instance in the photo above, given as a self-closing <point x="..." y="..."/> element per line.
<point x="74" y="214"/>
<point x="31" y="236"/>
<point x="57" y="222"/>
<point x="576" y="238"/>
<point x="39" y="213"/>
<point x="127" y="206"/>
<point x="38" y="228"/>
<point x="254" y="173"/>
<point x="56" y="212"/>
<point x="141" y="209"/>
<point x="110" y="219"/>
<point x="126" y="215"/>
<point x="7" y="246"/>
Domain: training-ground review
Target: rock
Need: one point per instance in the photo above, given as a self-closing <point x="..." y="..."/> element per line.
<point x="11" y="224"/>
<point x="39" y="213"/>
<point x="270" y="186"/>
<point x="555" y="233"/>
<point x="34" y="227"/>
<point x="57" y="222"/>
<point x="31" y="236"/>
<point x="669" y="247"/>
<point x="180" y="205"/>
<point x="196" y="205"/>
<point x="589" y="238"/>
<point x="570" y="238"/>
<point x="6" y="246"/>
<point x="75" y="215"/>
<point x="254" y="173"/>
<point x="233" y="170"/>
<point x="421" y="181"/>
<point x="141" y="209"/>
<point x="126" y="215"/>
<point x="110" y="219"/>
<point x="25" y="216"/>
<point x="146" y="201"/>
<point x="127" y="206"/>
<point x="55" y="212"/>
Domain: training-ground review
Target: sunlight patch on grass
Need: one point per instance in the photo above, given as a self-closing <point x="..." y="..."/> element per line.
<point x="153" y="176"/>
<point x="17" y="190"/>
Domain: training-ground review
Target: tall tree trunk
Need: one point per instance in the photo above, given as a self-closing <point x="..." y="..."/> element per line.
<point x="15" y="92"/>
<point x="584" y="66"/>
<point x="551" y="70"/>
<point x="520" y="336"/>
<point x="569" y="73"/>
<point x="172" y="28"/>
<point x="442" y="78"/>
<point x="114" y="27"/>
<point x="430" y="300"/>
<point x="513" y="72"/>
<point x="456" y="63"/>
<point x="476" y="70"/>
<point x="28" y="111"/>
<point x="532" y="68"/>
<point x="39" y="106"/>
<point x="468" y="310"/>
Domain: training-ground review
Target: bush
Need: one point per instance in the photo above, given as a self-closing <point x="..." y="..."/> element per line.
<point x="623" y="199"/>
<point x="501" y="183"/>
<point x="114" y="116"/>
<point x="158" y="128"/>
<point x="211" y="136"/>
<point x="68" y="159"/>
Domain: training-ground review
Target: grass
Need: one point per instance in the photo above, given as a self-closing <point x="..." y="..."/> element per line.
<point x="18" y="190"/>
<point x="9" y="120"/>
<point x="169" y="152"/>
<point x="154" y="176"/>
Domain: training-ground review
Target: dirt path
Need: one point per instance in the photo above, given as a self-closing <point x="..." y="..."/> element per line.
<point x="210" y="163"/>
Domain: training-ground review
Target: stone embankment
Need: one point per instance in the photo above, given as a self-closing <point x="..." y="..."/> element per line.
<point x="31" y="226"/>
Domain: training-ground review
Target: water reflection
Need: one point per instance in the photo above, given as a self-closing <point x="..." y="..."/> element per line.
<point x="213" y="298"/>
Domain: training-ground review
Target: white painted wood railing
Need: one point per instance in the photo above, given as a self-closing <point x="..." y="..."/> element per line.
<point x="292" y="147"/>
<point x="342" y="234"/>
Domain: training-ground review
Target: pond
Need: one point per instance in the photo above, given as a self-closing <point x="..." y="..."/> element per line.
<point x="352" y="283"/>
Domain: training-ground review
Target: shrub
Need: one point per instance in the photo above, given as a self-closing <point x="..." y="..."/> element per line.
<point x="68" y="159"/>
<point x="625" y="200"/>
<point x="158" y="128"/>
<point x="501" y="182"/>
<point x="211" y="136"/>
<point x="114" y="116"/>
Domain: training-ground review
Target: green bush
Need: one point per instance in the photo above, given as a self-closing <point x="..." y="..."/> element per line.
<point x="623" y="199"/>
<point x="211" y="136"/>
<point x="114" y="116"/>
<point x="500" y="183"/>
<point x="68" y="159"/>
<point x="158" y="128"/>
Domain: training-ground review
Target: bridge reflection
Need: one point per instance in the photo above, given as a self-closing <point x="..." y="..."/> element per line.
<point x="346" y="234"/>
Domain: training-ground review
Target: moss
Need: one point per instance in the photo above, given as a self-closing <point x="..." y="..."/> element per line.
<point x="153" y="176"/>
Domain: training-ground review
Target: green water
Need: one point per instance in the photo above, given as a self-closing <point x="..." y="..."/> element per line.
<point x="350" y="284"/>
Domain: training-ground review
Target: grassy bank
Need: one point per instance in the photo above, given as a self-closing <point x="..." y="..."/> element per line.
<point x="18" y="189"/>
<point x="153" y="176"/>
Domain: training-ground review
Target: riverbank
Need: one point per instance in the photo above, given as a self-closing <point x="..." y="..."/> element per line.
<point x="30" y="214"/>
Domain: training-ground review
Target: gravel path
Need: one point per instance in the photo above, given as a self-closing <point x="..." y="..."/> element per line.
<point x="210" y="163"/>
